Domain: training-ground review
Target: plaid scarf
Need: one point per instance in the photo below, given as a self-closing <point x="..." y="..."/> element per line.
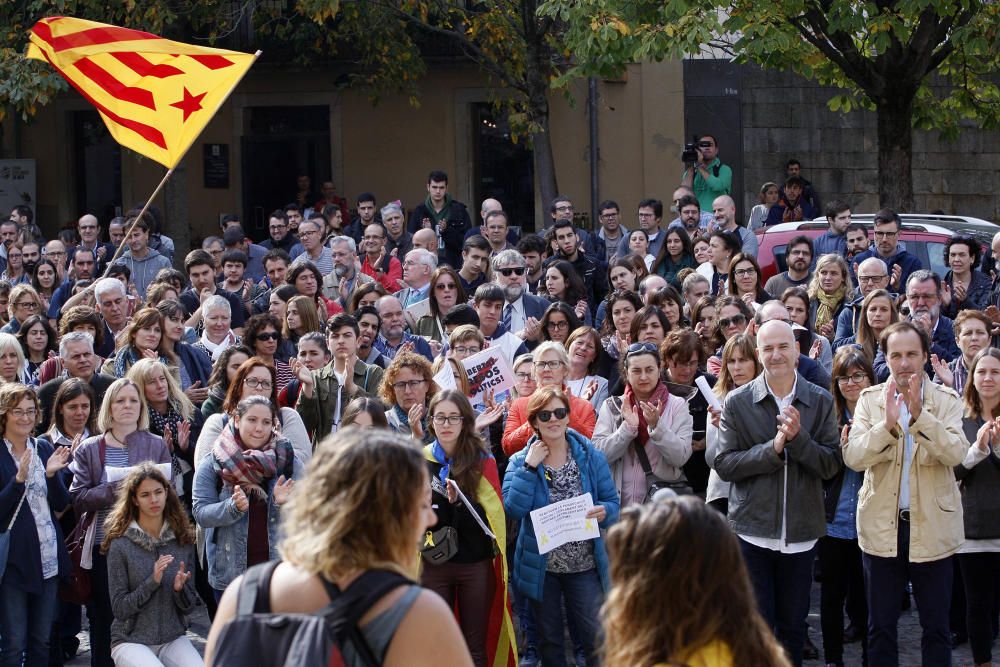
<point x="160" y="424"/>
<point x="251" y="467"/>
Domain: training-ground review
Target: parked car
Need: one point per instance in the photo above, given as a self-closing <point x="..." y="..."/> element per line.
<point x="921" y="235"/>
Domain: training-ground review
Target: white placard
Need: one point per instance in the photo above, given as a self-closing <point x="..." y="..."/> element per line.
<point x="563" y="522"/>
<point x="445" y="378"/>
<point x="117" y="474"/>
<point x="488" y="370"/>
<point x="707" y="392"/>
<point x="419" y="309"/>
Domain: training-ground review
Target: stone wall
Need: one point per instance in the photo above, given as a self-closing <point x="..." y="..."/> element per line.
<point x="786" y="116"/>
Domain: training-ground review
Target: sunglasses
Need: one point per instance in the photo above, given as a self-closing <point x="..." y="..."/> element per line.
<point x="274" y="335"/>
<point x="558" y="413"/>
<point x="518" y="271"/>
<point x="641" y="348"/>
<point x="734" y="321"/>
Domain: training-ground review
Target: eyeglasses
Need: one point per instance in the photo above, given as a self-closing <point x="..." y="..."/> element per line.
<point x="742" y="273"/>
<point x="646" y="215"/>
<point x="87" y="228"/>
<point x="558" y="325"/>
<point x="641" y="348"/>
<point x="55" y="253"/>
<point x="257" y="383"/>
<point x="609" y="216"/>
<point x="856" y="378"/>
<point x="27" y="305"/>
<point x="690" y="363"/>
<point x="516" y="270"/>
<point x="885" y="235"/>
<point x="558" y="413"/>
<point x="20" y="414"/>
<point x="309" y="233"/>
<point x="463" y="349"/>
<point x="523" y="376"/>
<point x="544" y="365"/>
<point x="270" y="335"/>
<point x="407" y="384"/>
<point x="274" y="228"/>
<point x="870" y="279"/>
<point x="734" y="321"/>
<point x="454" y="420"/>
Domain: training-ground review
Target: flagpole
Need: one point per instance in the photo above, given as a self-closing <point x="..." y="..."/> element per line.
<point x="165" y="178"/>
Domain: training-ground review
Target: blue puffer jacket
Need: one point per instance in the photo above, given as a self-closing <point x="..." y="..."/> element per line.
<point x="524" y="491"/>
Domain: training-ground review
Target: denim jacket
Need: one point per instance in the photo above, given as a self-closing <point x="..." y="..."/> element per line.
<point x="226" y="527"/>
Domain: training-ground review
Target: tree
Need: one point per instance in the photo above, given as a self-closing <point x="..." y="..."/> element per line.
<point x="507" y="39"/>
<point x="928" y="64"/>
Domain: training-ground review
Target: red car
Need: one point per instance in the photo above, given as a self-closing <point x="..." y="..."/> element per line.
<point x="922" y="235"/>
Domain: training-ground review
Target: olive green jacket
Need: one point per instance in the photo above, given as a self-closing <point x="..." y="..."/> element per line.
<point x="318" y="412"/>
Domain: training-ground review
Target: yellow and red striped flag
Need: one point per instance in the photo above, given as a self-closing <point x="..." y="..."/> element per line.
<point x="155" y="95"/>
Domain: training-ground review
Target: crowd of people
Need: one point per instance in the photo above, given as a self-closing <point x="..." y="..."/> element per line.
<point x="169" y="431"/>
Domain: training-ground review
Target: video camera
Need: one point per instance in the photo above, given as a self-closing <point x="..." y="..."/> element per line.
<point x="690" y="154"/>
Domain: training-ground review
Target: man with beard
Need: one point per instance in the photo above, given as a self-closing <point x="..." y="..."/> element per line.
<point x="346" y="276"/>
<point x="369" y="324"/>
<point x="838" y="218"/>
<point x="923" y="296"/>
<point x="393" y="337"/>
<point x="31" y="253"/>
<point x="279" y="235"/>
<point x="523" y="312"/>
<point x="898" y="262"/>
<point x="798" y="257"/>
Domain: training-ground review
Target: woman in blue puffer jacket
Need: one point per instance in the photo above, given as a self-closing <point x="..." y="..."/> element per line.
<point x="559" y="464"/>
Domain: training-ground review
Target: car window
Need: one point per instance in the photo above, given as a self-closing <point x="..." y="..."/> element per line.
<point x="935" y="256"/>
<point x="779" y="257"/>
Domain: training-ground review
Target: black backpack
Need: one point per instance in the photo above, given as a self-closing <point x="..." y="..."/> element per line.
<point x="256" y="636"/>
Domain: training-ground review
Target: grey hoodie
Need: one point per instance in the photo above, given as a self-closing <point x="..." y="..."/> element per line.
<point x="144" y="270"/>
<point x="147" y="612"/>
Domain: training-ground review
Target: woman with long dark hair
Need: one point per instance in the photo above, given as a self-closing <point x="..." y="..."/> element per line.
<point x="38" y="341"/>
<point x="731" y="317"/>
<point x="149" y="544"/>
<point x="473" y="580"/>
<point x="650" y="325"/>
<point x="564" y="285"/>
<point x="617" y="330"/>
<point x="707" y="616"/>
<point x="623" y="277"/>
<point x="194" y="365"/>
<point x="839" y="553"/>
<point x="637" y="242"/>
<point x="309" y="282"/>
<point x="143" y="339"/>
<point x="558" y="321"/>
<point x="223" y="372"/>
<point x="45" y="280"/>
<point x="746" y="280"/>
<point x="676" y="254"/>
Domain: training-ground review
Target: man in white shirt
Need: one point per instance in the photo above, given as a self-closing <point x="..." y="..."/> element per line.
<point x="779" y="440"/>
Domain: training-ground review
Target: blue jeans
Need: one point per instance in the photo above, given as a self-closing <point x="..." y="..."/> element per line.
<point x="584" y="595"/>
<point x="26" y="623"/>
<point x="885" y="579"/>
<point x="781" y="584"/>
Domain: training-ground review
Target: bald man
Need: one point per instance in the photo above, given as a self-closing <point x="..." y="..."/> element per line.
<point x="724" y="212"/>
<point x="426" y="239"/>
<point x="487" y="207"/>
<point x="89" y="230"/>
<point x="778" y="441"/>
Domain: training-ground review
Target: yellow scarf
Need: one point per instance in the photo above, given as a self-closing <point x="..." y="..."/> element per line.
<point x="828" y="304"/>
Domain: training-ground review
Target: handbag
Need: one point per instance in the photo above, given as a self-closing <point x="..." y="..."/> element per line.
<point x="77" y="587"/>
<point x="5" y="535"/>
<point x="679" y="486"/>
<point x="440" y="545"/>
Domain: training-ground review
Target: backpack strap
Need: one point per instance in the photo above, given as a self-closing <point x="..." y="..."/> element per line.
<point x="254" y="596"/>
<point x="347" y="607"/>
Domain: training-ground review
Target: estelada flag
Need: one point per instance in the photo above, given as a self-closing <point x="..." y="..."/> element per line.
<point x="155" y="95"/>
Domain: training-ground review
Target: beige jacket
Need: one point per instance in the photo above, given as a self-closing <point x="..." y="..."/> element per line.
<point x="936" y="528"/>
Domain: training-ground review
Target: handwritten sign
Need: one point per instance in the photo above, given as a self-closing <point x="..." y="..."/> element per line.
<point x="563" y="522"/>
<point x="489" y="371"/>
<point x="445" y="378"/>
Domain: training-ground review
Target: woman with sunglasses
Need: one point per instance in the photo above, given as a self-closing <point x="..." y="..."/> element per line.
<point x="645" y="434"/>
<point x="445" y="291"/>
<point x="473" y="580"/>
<point x="839" y="553"/>
<point x="979" y="476"/>
<point x="732" y="317"/>
<point x="263" y="336"/>
<point x="239" y="489"/>
<point x="559" y="464"/>
<point x="739" y="366"/>
<point x="551" y="367"/>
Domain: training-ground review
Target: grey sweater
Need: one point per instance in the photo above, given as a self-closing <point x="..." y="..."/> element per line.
<point x="147" y="612"/>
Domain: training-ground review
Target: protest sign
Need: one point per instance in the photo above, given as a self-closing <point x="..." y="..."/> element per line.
<point x="445" y="378"/>
<point x="489" y="371"/>
<point x="563" y="522"/>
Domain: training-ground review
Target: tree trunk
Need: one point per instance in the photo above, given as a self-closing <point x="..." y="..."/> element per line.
<point x="545" y="165"/>
<point x="895" y="152"/>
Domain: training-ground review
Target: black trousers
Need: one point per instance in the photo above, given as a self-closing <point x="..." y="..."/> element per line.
<point x="843" y="581"/>
<point x="980" y="573"/>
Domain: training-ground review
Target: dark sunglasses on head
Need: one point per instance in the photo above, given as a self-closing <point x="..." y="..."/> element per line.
<point x="641" y="348"/>
<point x="558" y="413"/>
<point x="735" y="320"/>
<point x="519" y="270"/>
<point x="274" y="335"/>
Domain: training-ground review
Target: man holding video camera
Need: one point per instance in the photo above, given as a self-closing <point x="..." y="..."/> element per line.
<point x="704" y="172"/>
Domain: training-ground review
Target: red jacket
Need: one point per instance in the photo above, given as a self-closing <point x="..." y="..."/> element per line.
<point x="518" y="431"/>
<point x="391" y="277"/>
